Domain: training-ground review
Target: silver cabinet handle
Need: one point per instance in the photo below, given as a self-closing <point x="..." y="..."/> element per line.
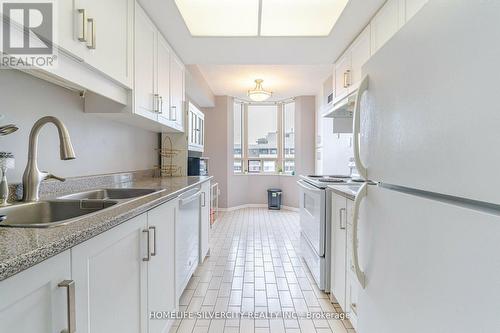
<point x="204" y="199"/>
<point x="153" y="254"/>
<point x="185" y="201"/>
<point x="83" y="36"/>
<point x="156" y="102"/>
<point x="342" y="225"/>
<point x="148" y="257"/>
<point x="363" y="172"/>
<point x="70" y="292"/>
<point x="355" y="217"/>
<point x="160" y="108"/>
<point x="174" y="108"/>
<point x="92" y="44"/>
<point x="347" y="80"/>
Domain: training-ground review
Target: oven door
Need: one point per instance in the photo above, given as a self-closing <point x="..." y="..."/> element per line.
<point x="312" y="216"/>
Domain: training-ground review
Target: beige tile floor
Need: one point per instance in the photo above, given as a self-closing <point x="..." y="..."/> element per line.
<point x="255" y="266"/>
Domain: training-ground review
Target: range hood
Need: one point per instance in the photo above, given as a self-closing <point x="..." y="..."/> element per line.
<point x="343" y="108"/>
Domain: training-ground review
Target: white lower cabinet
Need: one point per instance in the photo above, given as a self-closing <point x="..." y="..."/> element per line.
<point x="161" y="272"/>
<point x="123" y="274"/>
<point x="344" y="283"/>
<point x="205" y="220"/>
<point x="110" y="277"/>
<point x="339" y="248"/>
<point x="32" y="300"/>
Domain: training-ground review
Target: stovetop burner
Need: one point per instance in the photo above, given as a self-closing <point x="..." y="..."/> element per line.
<point x="329" y="176"/>
<point x="331" y="180"/>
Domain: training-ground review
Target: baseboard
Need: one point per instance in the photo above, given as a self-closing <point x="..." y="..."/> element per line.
<point x="232" y="209"/>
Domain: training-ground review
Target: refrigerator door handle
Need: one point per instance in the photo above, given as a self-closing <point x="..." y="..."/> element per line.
<point x="363" y="172"/>
<point x="357" y="202"/>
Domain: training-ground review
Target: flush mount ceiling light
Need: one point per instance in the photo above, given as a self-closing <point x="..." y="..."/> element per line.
<point x="237" y="18"/>
<point x="258" y="94"/>
<point x="230" y="18"/>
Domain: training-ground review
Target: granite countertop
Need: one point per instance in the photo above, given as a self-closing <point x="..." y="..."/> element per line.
<point x="349" y="191"/>
<point x="21" y="248"/>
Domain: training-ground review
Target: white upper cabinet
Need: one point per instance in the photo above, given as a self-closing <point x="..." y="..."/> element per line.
<point x="177" y="98"/>
<point x="342" y="75"/>
<point x="196" y="135"/>
<point x="71" y="22"/>
<point x="159" y="78"/>
<point x="389" y="19"/>
<point x="100" y="33"/>
<point x="360" y="53"/>
<point x="109" y="37"/>
<point x="36" y="300"/>
<point x="164" y="56"/>
<point x="145" y="66"/>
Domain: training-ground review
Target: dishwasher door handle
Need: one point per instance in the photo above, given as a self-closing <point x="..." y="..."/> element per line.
<point x="185" y="201"/>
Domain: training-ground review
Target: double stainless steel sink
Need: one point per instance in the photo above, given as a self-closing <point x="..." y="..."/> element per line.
<point x="66" y="209"/>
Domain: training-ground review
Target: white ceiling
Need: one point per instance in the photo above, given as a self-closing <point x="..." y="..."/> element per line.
<point x="283" y="80"/>
<point x="260" y="50"/>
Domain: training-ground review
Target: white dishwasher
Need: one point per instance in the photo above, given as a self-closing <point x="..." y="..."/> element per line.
<point x="187" y="237"/>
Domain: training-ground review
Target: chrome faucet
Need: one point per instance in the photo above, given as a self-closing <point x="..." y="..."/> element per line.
<point x="32" y="176"/>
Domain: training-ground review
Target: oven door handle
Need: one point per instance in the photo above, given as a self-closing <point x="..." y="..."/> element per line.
<point x="302" y="184"/>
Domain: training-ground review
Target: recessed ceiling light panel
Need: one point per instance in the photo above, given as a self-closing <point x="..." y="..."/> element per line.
<point x="300" y="17"/>
<point x="220" y="17"/>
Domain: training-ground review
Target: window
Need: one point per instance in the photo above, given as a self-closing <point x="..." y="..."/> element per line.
<point x="264" y="138"/>
<point x="238" y="138"/>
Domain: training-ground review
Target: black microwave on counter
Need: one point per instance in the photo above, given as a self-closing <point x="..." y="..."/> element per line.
<point x="197" y="166"/>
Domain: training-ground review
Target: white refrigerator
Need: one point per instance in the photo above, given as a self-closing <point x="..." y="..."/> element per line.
<point x="427" y="132"/>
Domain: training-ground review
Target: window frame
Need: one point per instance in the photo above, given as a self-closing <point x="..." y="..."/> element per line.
<point x="280" y="159"/>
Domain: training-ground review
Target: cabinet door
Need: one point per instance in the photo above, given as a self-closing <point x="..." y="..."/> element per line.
<point x="145" y="65"/>
<point x="111" y="280"/>
<point x="177" y="92"/>
<point x="342" y="75"/>
<point x="339" y="242"/>
<point x="360" y="53"/>
<point x="161" y="268"/>
<point x="386" y="23"/>
<point x="205" y="221"/>
<point x="111" y="50"/>
<point x="163" y="77"/>
<point x="71" y="24"/>
<point x="412" y="7"/>
<point x="31" y="301"/>
<point x="352" y="284"/>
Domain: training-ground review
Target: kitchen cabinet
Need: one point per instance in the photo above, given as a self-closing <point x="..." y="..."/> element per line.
<point x="360" y="53"/>
<point x="177" y="92"/>
<point x="342" y="75"/>
<point x="205" y="220"/>
<point x="159" y="79"/>
<point x="163" y="82"/>
<point x="196" y="136"/>
<point x="161" y="267"/>
<point x="99" y="33"/>
<point x="388" y="20"/>
<point x="33" y="301"/>
<point x="339" y="249"/>
<point x="352" y="283"/>
<point x="348" y="67"/>
<point x="110" y="37"/>
<point x="412" y="7"/>
<point x="145" y="66"/>
<point x="110" y="274"/>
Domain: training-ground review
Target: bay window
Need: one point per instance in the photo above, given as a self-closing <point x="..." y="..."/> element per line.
<point x="264" y="138"/>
